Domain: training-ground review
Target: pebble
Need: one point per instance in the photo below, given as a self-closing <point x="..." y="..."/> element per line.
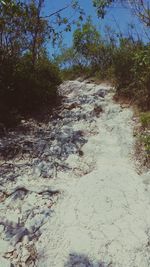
<point x="25" y="254"/>
<point x="49" y="204"/>
<point x="25" y="240"/>
<point x="15" y="254"/>
<point x="2" y="197"/>
<point x="10" y="249"/>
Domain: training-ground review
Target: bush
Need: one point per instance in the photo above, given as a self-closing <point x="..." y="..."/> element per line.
<point x="145" y="119"/>
<point x="24" y="89"/>
<point x="36" y="86"/>
<point x="123" y="62"/>
<point x="132" y="73"/>
<point x="75" y="72"/>
<point x="141" y="81"/>
<point x="147" y="144"/>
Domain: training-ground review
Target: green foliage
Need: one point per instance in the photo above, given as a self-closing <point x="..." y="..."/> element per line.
<point x="123" y="62"/>
<point x="86" y="38"/>
<point x="145" y="138"/>
<point x="139" y="8"/>
<point x="28" y="80"/>
<point x="126" y="62"/>
<point x="75" y="72"/>
<point x="147" y="144"/>
<point x="25" y="89"/>
<point x="101" y="6"/>
<point x="35" y="87"/>
<point x="67" y="58"/>
<point x="89" y="54"/>
<point x="132" y="72"/>
<point x="145" y="119"/>
<point x="130" y="59"/>
<point x="141" y="73"/>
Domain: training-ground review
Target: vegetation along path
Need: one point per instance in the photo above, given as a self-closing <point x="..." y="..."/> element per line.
<point x="94" y="211"/>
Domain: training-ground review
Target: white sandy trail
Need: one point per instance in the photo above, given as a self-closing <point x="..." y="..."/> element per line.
<point x="103" y="217"/>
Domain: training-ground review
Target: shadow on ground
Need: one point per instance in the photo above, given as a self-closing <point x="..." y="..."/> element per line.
<point x="81" y="260"/>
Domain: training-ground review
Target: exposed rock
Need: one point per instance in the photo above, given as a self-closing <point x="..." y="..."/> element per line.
<point x="2" y="197"/>
<point x="97" y="111"/>
<point x="72" y="106"/>
<point x="15" y="254"/>
<point x="25" y="240"/>
<point x="101" y="93"/>
<point x="10" y="249"/>
<point x="25" y="254"/>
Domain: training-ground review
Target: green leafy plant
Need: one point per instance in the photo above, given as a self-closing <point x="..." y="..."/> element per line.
<point x="145" y="119"/>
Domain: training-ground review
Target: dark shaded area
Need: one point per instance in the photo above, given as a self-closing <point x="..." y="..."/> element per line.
<point x="81" y="260"/>
<point x="26" y="91"/>
<point x="15" y="232"/>
<point x="28" y="78"/>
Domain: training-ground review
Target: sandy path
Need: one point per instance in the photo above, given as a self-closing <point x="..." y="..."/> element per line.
<point x="103" y="215"/>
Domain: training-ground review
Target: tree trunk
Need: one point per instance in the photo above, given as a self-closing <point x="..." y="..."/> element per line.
<point x="34" y="46"/>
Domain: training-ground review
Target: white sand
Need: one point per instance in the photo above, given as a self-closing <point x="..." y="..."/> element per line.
<point x="103" y="215"/>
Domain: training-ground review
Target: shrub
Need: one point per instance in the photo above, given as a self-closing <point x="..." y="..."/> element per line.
<point x="36" y="86"/>
<point x="147" y="144"/>
<point x="141" y="81"/>
<point x="24" y="89"/>
<point x="76" y="72"/>
<point x="123" y="62"/>
<point x="145" y="119"/>
<point x="132" y="73"/>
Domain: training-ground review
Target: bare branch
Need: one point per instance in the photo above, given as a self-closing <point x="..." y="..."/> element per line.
<point x="56" y="12"/>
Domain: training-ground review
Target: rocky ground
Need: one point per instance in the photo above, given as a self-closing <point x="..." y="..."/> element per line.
<point x="69" y="192"/>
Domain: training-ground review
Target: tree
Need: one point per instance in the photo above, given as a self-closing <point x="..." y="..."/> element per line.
<point x="140" y="8"/>
<point x="28" y="79"/>
<point x="24" y="29"/>
<point x="86" y="38"/>
<point x="88" y="43"/>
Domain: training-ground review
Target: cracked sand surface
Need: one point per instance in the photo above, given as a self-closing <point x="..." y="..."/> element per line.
<point x="104" y="214"/>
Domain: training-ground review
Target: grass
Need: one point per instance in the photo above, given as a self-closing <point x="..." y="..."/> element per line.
<point x="145" y="119"/>
<point x="143" y="140"/>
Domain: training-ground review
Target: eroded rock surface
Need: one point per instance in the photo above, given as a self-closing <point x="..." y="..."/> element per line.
<point x="70" y="195"/>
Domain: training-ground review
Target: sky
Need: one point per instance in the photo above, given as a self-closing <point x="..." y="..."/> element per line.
<point x="117" y="17"/>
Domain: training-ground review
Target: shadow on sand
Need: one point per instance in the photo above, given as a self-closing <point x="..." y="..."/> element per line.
<point x="81" y="260"/>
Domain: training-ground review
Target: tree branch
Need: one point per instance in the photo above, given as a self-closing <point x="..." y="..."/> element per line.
<point x="56" y="12"/>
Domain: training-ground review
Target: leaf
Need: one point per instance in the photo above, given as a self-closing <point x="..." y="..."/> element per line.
<point x="2" y="2"/>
